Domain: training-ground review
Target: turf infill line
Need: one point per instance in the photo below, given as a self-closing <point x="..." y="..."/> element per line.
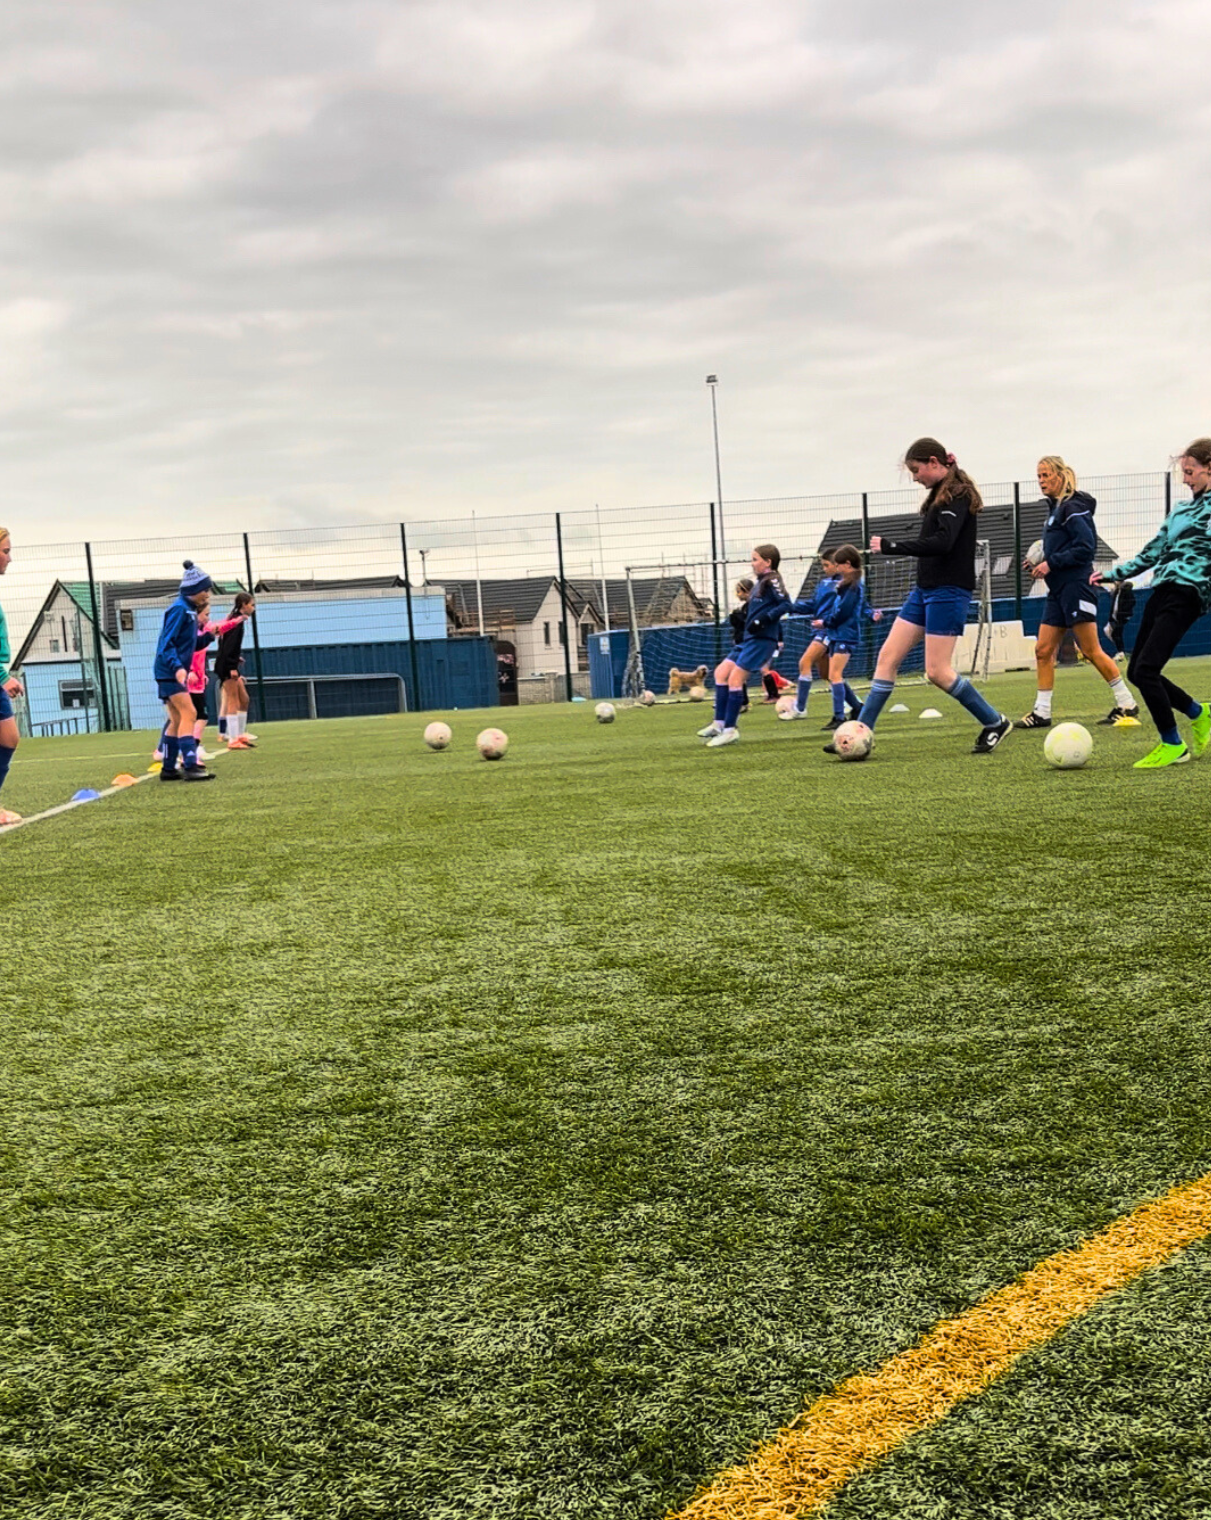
<point x="865" y="1418"/>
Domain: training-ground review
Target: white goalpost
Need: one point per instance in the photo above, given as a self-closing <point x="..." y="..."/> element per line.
<point x="694" y="643"/>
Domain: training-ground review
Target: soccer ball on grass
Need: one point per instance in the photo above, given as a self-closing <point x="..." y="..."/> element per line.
<point x="604" y="712"/>
<point x="1068" y="747"/>
<point x="853" y="741"/>
<point x="438" y="735"/>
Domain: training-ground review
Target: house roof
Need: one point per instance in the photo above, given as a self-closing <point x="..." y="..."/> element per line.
<point x="350" y="583"/>
<point x="514" y="601"/>
<point x="885" y="574"/>
<point x="655" y="598"/>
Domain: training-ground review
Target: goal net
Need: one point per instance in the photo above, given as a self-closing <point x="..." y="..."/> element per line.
<point x="677" y="616"/>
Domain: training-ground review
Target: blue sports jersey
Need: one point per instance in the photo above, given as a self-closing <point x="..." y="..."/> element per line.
<point x="177" y="642"/>
<point x="819" y="600"/>
<point x="1069" y="539"/>
<point x="768" y="604"/>
<point x="841" y="622"/>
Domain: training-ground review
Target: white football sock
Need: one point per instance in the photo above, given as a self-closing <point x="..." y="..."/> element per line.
<point x="1042" y="703"/>
<point x="1122" y="693"/>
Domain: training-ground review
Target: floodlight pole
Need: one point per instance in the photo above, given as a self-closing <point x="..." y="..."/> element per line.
<point x="713" y="381"/>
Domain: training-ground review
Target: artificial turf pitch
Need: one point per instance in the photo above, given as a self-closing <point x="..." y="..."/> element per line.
<point x="390" y="1133"/>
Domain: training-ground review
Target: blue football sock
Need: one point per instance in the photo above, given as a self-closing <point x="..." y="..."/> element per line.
<point x="720" y="700"/>
<point x="6" y="756"/>
<point x="223" y="724"/>
<point x="189" y="751"/>
<point x="851" y="696"/>
<point x="170" y="751"/>
<point x="1171" y="735"/>
<point x="1195" y="710"/>
<point x="967" y="696"/>
<point x="802" y="692"/>
<point x="876" y="698"/>
<point x="735" y="701"/>
<point x="838" y="688"/>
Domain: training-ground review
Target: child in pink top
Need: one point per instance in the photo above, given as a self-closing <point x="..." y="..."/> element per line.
<point x="195" y="680"/>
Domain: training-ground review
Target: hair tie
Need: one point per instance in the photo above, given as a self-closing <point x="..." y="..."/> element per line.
<point x="950" y="459"/>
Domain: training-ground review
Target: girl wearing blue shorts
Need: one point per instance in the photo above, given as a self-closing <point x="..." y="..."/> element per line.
<point x="936" y="608"/>
<point x="174" y="655"/>
<point x="10" y="687"/>
<point x="767" y="605"/>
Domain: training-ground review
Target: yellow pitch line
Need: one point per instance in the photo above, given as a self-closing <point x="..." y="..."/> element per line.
<point x="866" y="1417"/>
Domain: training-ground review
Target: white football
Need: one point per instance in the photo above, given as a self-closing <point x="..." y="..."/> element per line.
<point x="438" y="735"/>
<point x="605" y="712"/>
<point x="648" y="699"/>
<point x="785" y="703"/>
<point x="492" y="743"/>
<point x="1068" y="747"/>
<point x="1034" y="555"/>
<point x="698" y="693"/>
<point x="853" y="741"/>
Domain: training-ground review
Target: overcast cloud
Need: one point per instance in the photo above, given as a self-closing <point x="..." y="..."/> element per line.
<point x="271" y="263"/>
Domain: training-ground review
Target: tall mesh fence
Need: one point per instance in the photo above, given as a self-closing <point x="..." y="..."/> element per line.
<point x="502" y="606"/>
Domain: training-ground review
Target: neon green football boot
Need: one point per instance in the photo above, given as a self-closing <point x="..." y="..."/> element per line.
<point x="1164" y="754"/>
<point x="1200" y="730"/>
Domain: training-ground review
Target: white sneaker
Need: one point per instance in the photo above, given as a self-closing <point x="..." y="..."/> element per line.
<point x="727" y="736"/>
<point x="710" y="730"/>
<point x="203" y="754"/>
<point x="251" y="738"/>
<point x="789" y="717"/>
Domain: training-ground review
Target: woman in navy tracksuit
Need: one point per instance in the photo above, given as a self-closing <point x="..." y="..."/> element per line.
<point x="1069" y="544"/>
<point x="768" y="604"/>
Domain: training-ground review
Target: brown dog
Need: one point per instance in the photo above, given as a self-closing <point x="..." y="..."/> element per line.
<point x="683" y="680"/>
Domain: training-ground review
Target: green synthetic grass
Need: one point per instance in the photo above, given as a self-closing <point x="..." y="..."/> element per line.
<point x="389" y="1133"/>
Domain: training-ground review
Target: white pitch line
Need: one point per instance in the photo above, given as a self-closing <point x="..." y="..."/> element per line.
<point x="66" y="807"/>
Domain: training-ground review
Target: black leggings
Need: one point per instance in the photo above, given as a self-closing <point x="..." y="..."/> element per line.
<point x="1171" y="612"/>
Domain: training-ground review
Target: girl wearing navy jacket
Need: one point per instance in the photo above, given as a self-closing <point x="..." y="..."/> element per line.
<point x="1069" y="544"/>
<point x="767" y="605"/>
<point x="174" y="656"/>
<point x="840" y="628"/>
<point x="936" y="608"/>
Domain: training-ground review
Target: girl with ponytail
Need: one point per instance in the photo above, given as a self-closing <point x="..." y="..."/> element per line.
<point x="936" y="608"/>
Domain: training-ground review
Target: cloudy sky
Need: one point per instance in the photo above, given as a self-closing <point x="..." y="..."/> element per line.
<point x="287" y="262"/>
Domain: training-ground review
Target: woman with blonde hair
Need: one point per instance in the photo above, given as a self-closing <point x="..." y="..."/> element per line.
<point x="10" y="687"/>
<point x="1069" y="544"/>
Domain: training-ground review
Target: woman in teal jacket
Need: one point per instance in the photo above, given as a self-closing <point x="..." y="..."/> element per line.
<point x="1180" y="560"/>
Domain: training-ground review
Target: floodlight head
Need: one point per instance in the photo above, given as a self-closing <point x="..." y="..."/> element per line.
<point x="712" y="379"/>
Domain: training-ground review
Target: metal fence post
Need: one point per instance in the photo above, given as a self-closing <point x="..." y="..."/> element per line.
<point x="563" y="597"/>
<point x="715" y="586"/>
<point x="98" y="648"/>
<point x="1168" y="491"/>
<point x="1017" y="551"/>
<point x="865" y="522"/>
<point x="256" y="639"/>
<point x="416" y="701"/>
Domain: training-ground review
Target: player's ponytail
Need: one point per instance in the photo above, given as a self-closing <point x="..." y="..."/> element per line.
<point x="955" y="479"/>
<point x="1066" y="473"/>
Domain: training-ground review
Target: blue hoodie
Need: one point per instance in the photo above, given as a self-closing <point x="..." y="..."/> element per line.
<point x="177" y="642"/>
<point x="1069" y="539"/>
<point x="768" y="604"/>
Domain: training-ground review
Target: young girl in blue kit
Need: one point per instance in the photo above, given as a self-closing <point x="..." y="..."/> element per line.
<point x="174" y="656"/>
<point x="840" y="628"/>
<point x="767" y="605"/>
<point x="814" y="659"/>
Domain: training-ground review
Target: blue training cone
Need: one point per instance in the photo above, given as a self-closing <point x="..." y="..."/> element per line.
<point x="86" y="794"/>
